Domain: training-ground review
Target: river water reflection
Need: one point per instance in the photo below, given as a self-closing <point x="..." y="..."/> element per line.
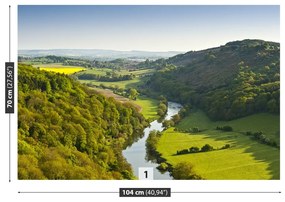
<point x="136" y="153"/>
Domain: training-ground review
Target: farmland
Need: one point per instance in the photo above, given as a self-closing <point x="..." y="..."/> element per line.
<point x="245" y="159"/>
<point x="58" y="68"/>
<point x="139" y="77"/>
<point x="115" y="84"/>
<point x="103" y="71"/>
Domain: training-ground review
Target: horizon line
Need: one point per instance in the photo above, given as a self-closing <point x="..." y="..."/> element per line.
<point x="164" y="51"/>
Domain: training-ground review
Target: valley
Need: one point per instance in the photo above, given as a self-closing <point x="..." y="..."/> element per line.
<point x="231" y="103"/>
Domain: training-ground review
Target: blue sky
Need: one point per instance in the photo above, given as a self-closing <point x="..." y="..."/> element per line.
<point x="152" y="28"/>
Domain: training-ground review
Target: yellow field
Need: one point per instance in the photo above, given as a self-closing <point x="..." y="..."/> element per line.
<point x="59" y="68"/>
<point x="64" y="70"/>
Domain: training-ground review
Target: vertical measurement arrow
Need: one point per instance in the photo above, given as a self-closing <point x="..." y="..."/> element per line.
<point x="9" y="90"/>
<point x="9" y="113"/>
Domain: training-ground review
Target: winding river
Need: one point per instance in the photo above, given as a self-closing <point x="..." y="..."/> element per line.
<point x="136" y="153"/>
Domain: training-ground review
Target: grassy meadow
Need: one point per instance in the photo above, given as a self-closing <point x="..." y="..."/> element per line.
<point x="245" y="159"/>
<point x="149" y="107"/>
<point x="269" y="124"/>
<point x="119" y="84"/>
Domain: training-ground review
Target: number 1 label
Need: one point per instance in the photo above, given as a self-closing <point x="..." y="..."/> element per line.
<point x="145" y="173"/>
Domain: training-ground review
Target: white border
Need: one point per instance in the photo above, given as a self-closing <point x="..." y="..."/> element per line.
<point x="9" y="191"/>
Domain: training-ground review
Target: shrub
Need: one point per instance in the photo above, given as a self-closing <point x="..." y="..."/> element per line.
<point x="206" y="148"/>
<point x="224" y="128"/>
<point x="168" y="123"/>
<point x="226" y="146"/>
<point x="183" y="151"/>
<point x="273" y="143"/>
<point x="194" y="150"/>
<point x="227" y="128"/>
<point x="248" y="133"/>
<point x="218" y="128"/>
<point x="163" y="166"/>
<point x="195" y="130"/>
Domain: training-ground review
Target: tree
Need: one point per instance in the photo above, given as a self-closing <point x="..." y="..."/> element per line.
<point x="160" y="112"/>
<point x="162" y="109"/>
<point x="133" y="94"/>
<point x="162" y="106"/>
<point x="185" y="171"/>
<point x="167" y="123"/>
<point x="176" y="118"/>
<point x="162" y="99"/>
<point x="272" y="106"/>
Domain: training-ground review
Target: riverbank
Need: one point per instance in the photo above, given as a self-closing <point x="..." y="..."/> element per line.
<point x="136" y="153"/>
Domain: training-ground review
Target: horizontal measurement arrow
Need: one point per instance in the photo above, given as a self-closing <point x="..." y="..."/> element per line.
<point x="226" y="192"/>
<point x="67" y="192"/>
<point x="175" y="192"/>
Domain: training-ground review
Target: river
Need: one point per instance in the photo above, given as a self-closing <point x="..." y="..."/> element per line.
<point x="136" y="153"/>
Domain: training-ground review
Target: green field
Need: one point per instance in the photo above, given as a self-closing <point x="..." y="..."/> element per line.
<point x="102" y="71"/>
<point x="97" y="71"/>
<point x="59" y="68"/>
<point x="245" y="159"/>
<point x="120" y="84"/>
<point x="149" y="107"/>
<point x="269" y="124"/>
<point x="134" y="83"/>
<point x="49" y="65"/>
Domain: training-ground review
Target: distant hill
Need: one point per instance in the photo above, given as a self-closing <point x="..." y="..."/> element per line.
<point x="98" y="53"/>
<point x="230" y="81"/>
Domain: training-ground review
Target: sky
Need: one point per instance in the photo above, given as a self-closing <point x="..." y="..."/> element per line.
<point x="148" y="28"/>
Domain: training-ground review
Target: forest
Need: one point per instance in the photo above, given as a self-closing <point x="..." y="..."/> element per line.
<point x="227" y="82"/>
<point x="68" y="131"/>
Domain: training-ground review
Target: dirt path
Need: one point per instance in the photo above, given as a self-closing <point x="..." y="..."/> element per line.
<point x="109" y="93"/>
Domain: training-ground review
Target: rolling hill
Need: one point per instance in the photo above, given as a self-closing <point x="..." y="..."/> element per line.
<point x="227" y="82"/>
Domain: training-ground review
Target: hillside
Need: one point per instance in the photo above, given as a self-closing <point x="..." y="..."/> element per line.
<point x="68" y="131"/>
<point x="227" y="82"/>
